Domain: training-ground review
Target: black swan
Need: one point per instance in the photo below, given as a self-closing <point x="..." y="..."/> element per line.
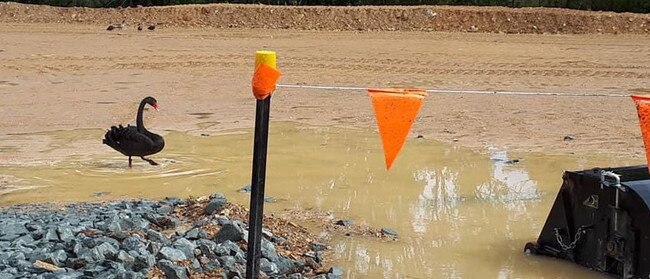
<point x="136" y="141"/>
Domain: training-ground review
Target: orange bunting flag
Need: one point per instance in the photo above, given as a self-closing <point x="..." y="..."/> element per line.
<point x="264" y="81"/>
<point x="395" y="111"/>
<point x="643" y="110"/>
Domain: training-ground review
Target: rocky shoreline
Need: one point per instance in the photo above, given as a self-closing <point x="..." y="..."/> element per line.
<point x="170" y="238"/>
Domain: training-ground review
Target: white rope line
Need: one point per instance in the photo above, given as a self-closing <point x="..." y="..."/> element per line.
<point x="459" y="91"/>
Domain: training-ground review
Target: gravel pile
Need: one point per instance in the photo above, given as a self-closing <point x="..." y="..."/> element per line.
<point x="170" y="238"/>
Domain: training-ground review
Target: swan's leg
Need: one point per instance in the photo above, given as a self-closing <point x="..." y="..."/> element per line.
<point x="130" y="161"/>
<point x="151" y="162"/>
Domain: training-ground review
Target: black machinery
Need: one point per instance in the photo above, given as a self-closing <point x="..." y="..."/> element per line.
<point x="601" y="220"/>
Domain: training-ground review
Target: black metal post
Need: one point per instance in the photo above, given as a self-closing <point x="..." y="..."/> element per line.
<point x="256" y="213"/>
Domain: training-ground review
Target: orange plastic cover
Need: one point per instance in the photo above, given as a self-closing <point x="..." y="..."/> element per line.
<point x="643" y="110"/>
<point x="395" y="111"/>
<point x="264" y="81"/>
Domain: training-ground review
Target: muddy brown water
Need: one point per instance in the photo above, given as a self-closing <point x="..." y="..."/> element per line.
<point x="460" y="213"/>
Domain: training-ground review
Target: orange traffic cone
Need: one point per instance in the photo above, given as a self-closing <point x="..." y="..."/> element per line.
<point x="395" y="111"/>
<point x="643" y="110"/>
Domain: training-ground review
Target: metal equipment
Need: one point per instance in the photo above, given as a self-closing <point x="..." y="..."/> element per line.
<point x="601" y="219"/>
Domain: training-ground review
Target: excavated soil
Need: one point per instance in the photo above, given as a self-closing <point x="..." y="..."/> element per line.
<point x="364" y="18"/>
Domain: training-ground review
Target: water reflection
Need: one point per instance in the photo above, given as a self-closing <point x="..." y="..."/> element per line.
<point x="438" y="200"/>
<point x="510" y="184"/>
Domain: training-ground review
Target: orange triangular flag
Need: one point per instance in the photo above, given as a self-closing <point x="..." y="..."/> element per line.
<point x="395" y="111"/>
<point x="264" y="81"/>
<point x="643" y="110"/>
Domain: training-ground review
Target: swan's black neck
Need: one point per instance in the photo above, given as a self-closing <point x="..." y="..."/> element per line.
<point x="138" y="120"/>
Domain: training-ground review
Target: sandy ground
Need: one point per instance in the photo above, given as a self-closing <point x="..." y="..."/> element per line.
<point x="71" y="76"/>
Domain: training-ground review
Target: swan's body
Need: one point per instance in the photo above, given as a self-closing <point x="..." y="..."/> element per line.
<point x="135" y="140"/>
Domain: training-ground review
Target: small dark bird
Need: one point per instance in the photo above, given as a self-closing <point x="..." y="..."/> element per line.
<point x="140" y="27"/>
<point x="136" y="140"/>
<point x="151" y="27"/>
<point x="114" y="26"/>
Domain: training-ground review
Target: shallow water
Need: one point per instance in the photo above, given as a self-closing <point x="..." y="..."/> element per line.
<point x="459" y="213"/>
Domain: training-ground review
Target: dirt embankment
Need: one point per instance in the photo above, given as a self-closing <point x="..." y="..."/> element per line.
<point x="389" y="18"/>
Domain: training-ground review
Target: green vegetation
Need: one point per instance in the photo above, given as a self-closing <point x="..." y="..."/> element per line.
<point x="641" y="6"/>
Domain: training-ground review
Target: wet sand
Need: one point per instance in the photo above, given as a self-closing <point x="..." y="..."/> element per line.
<point x="65" y="77"/>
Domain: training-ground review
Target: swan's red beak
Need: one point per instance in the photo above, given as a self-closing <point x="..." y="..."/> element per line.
<point x="155" y="106"/>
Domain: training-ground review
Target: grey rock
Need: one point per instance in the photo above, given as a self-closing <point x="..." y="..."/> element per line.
<point x="143" y="262"/>
<point x="154" y="248"/>
<point x="113" y="242"/>
<point x="192" y="234"/>
<point x="63" y="275"/>
<point x="127" y="260"/>
<point x="8" y="237"/>
<point x="65" y="234"/>
<point x="127" y="274"/>
<point x="4" y="275"/>
<point x="227" y="261"/>
<point x="57" y="258"/>
<point x="279" y="240"/>
<point x="172" y="271"/>
<point x="215" y="205"/>
<point x="268" y="250"/>
<point x="167" y="222"/>
<point x="107" y="275"/>
<point x="77" y="263"/>
<point x="186" y="246"/>
<point x="173" y="201"/>
<point x="285" y="265"/>
<point x="211" y="265"/>
<point x="199" y="223"/>
<point x="222" y="220"/>
<point x="25" y="240"/>
<point x="317" y="256"/>
<point x="39" y="254"/>
<point x="231" y="248"/>
<point x="14" y="228"/>
<point x="114" y="226"/>
<point x="34" y="226"/>
<point x="51" y="235"/>
<point x="344" y="222"/>
<point x="93" y="272"/>
<point x="235" y="272"/>
<point x="23" y="265"/>
<point x="389" y="232"/>
<point x="230" y="232"/>
<point x="171" y="254"/>
<point x="106" y="250"/>
<point x="196" y="266"/>
<point x="158" y="237"/>
<point x="295" y="276"/>
<point x="335" y="273"/>
<point x="268" y="267"/>
<point x="267" y="233"/>
<point x="164" y="209"/>
<point x="139" y="223"/>
<point x="318" y="246"/>
<point x="207" y="247"/>
<point x="132" y="243"/>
